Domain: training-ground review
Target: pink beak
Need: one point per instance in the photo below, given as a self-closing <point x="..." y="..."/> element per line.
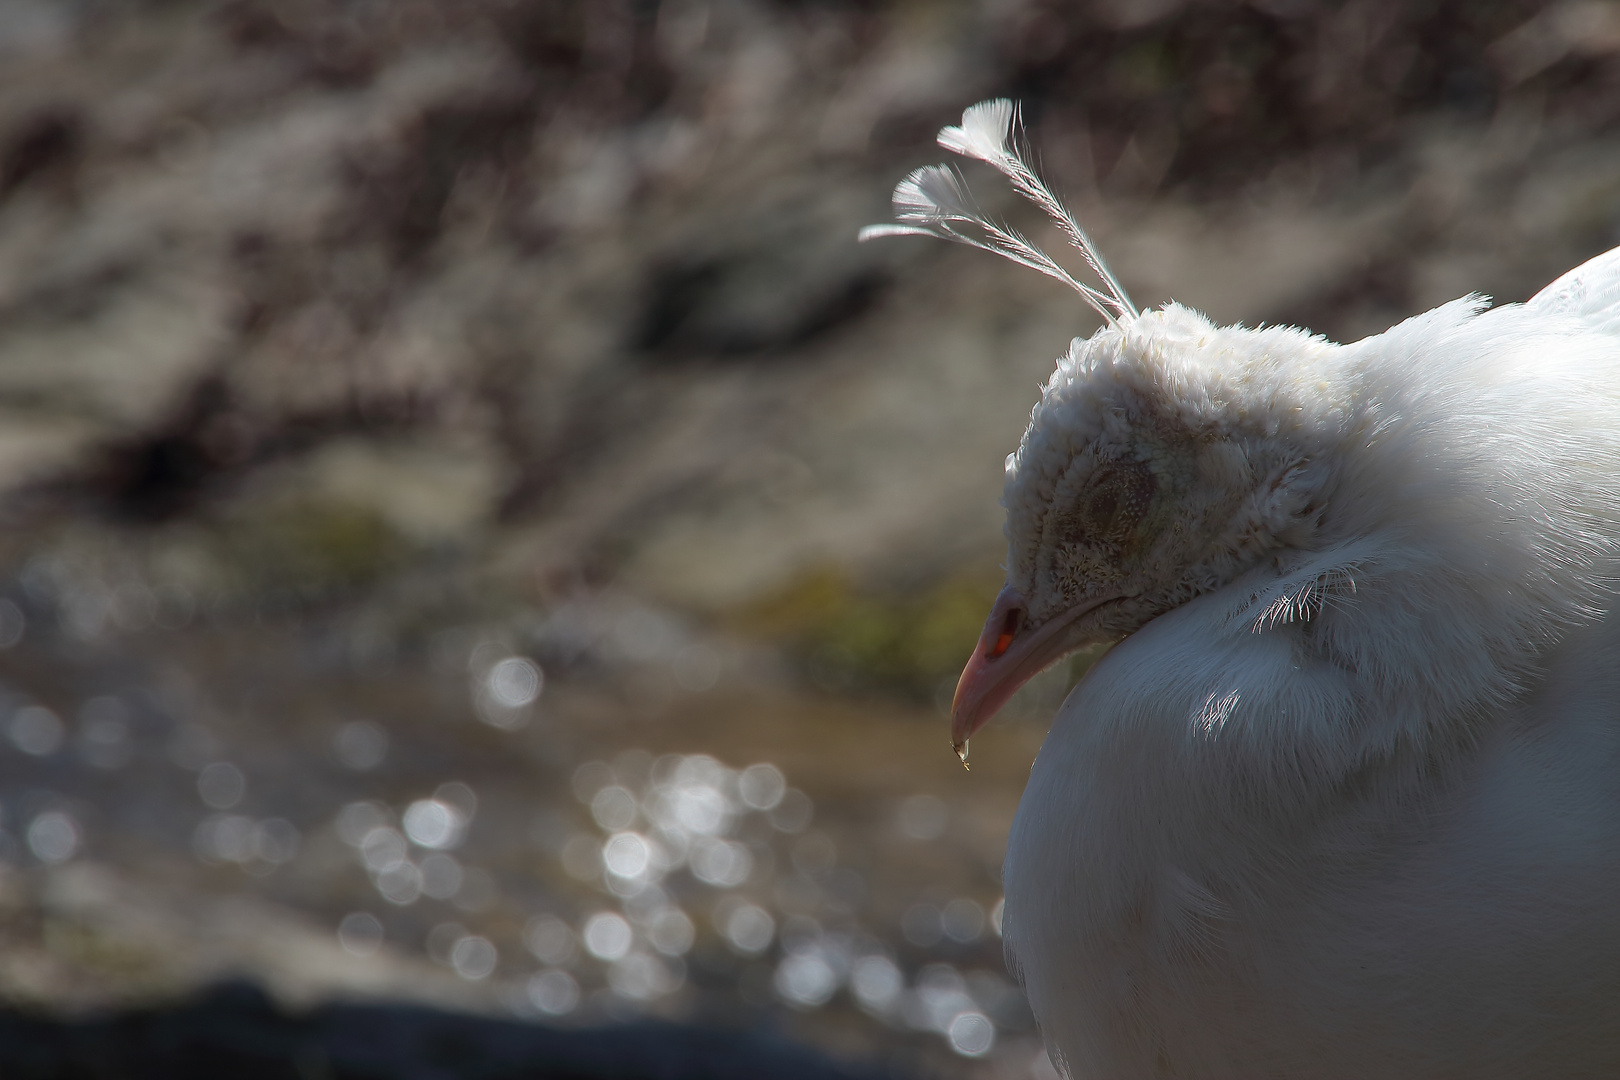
<point x="1008" y="655"/>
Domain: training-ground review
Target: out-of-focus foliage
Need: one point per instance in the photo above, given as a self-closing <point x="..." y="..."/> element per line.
<point x="849" y="639"/>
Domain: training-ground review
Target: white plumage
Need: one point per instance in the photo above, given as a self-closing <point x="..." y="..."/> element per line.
<point x="1344" y="800"/>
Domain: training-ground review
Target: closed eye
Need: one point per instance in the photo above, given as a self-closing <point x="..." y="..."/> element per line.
<point x="1118" y="498"/>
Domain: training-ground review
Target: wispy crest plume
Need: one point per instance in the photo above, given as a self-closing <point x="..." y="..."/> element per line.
<point x="935" y="201"/>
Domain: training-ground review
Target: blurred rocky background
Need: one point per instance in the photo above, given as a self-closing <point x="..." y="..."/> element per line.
<point x="485" y="551"/>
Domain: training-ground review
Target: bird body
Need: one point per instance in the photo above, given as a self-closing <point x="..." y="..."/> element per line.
<point x="1344" y="798"/>
<point x="1418" y="919"/>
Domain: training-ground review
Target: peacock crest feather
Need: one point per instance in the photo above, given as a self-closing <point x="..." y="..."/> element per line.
<point x="935" y="201"/>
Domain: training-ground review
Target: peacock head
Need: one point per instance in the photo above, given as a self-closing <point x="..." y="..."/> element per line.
<point x="1166" y="456"/>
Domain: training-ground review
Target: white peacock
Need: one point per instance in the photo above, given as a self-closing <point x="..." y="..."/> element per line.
<point x="1344" y="800"/>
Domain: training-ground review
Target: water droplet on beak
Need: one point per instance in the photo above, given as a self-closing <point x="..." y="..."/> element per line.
<point x="961" y="749"/>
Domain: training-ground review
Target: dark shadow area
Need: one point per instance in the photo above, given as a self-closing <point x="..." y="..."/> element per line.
<point x="235" y="1031"/>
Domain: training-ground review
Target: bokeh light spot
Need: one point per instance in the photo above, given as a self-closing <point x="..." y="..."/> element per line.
<point x="671" y="932"/>
<point x="221" y="785"/>
<point x="805" y="980"/>
<point x="361" y="745"/>
<point x="431" y="824"/>
<point x="360" y="933"/>
<point x="554" y="992"/>
<point x="747" y="928"/>
<point x="549" y="939"/>
<point x="607" y="936"/>
<point x="474" y="958"/>
<point x="876" y="983"/>
<point x="36" y="731"/>
<point x="514" y="682"/>
<point x="53" y="837"/>
<point x="971" y="1034"/>
<point x="761" y="786"/>
<point x="614" y="808"/>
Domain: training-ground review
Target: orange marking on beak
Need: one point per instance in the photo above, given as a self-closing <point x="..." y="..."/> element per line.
<point x="1009" y="628"/>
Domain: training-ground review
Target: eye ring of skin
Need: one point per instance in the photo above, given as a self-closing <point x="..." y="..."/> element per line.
<point x="1117" y="498"/>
